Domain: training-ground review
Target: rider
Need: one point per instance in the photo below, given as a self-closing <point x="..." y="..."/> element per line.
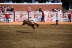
<point x="32" y="22"/>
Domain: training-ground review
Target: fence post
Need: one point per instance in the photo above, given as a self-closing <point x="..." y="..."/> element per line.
<point x="14" y="15"/>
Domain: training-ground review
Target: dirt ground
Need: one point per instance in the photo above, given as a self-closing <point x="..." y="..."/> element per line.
<point x="19" y="23"/>
<point x="47" y="35"/>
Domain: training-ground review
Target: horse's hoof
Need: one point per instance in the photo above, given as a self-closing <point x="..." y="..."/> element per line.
<point x="37" y="25"/>
<point x="34" y="29"/>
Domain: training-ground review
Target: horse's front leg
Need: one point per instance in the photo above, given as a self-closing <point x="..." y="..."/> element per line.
<point x="36" y="24"/>
<point x="23" y="24"/>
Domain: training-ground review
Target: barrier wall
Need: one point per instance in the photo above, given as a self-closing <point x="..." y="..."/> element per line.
<point x="51" y="16"/>
<point x="20" y="16"/>
<point x="34" y="6"/>
<point x="23" y="15"/>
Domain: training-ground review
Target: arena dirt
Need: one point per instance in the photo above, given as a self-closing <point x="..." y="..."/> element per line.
<point x="48" y="35"/>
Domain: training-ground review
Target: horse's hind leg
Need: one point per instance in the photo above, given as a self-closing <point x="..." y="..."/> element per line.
<point x="23" y="24"/>
<point x="37" y="24"/>
<point x="33" y="26"/>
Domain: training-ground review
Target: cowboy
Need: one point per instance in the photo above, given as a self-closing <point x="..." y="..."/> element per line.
<point x="7" y="16"/>
<point x="32" y="22"/>
<point x="69" y="16"/>
<point x="57" y="19"/>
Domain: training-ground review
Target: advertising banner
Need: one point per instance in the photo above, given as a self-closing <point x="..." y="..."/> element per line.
<point x="49" y="16"/>
<point x="23" y="15"/>
<point x="20" y="16"/>
<point x="64" y="17"/>
<point x="36" y="16"/>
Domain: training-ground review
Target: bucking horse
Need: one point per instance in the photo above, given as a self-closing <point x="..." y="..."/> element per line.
<point x="30" y="24"/>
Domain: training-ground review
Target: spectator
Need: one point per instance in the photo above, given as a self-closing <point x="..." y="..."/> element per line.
<point x="69" y="16"/>
<point x="36" y="2"/>
<point x="2" y="1"/>
<point x="36" y="10"/>
<point x="28" y="10"/>
<point x="14" y="1"/>
<point x="7" y="16"/>
<point x="7" y="9"/>
<point x="33" y="1"/>
<point x="0" y="11"/>
<point x="57" y="20"/>
<point x="40" y="10"/>
<point x="49" y="1"/>
<point x="12" y="9"/>
<point x="9" y="1"/>
<point x="17" y="1"/>
<point x="3" y="9"/>
<point x="0" y="7"/>
<point x="42" y="16"/>
<point x="58" y="1"/>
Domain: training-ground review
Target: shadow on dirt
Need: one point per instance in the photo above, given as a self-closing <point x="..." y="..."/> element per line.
<point x="52" y="24"/>
<point x="23" y="31"/>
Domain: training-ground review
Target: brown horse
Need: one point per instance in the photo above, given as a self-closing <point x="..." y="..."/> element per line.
<point x="30" y="24"/>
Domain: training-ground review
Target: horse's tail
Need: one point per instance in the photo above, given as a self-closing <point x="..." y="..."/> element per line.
<point x="37" y="25"/>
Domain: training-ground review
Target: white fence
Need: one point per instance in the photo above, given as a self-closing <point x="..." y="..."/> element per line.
<point x="20" y="16"/>
<point x="51" y="16"/>
<point x="23" y="15"/>
<point x="3" y="19"/>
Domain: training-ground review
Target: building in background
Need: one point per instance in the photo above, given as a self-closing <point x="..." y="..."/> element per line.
<point x="65" y="4"/>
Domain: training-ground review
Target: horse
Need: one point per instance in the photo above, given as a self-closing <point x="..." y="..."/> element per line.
<point x="30" y="24"/>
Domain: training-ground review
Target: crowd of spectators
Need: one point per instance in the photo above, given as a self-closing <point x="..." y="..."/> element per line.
<point x="30" y="1"/>
<point x="6" y="8"/>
